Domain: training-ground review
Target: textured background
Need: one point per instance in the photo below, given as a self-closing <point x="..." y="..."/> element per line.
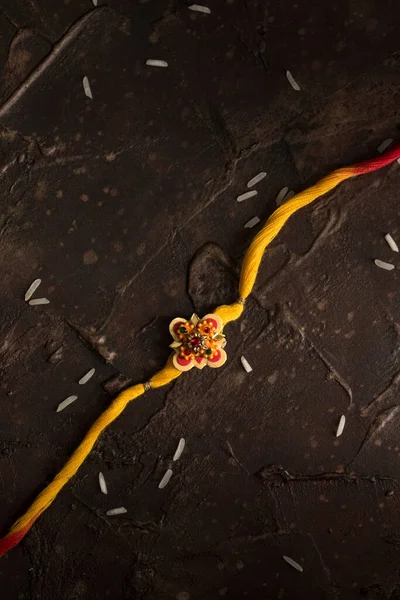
<point x="125" y="206"/>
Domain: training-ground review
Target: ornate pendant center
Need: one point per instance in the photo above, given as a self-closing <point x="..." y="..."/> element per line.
<point x="198" y="342"/>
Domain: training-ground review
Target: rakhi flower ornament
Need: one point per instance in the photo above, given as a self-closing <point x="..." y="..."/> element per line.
<point x="198" y="342"/>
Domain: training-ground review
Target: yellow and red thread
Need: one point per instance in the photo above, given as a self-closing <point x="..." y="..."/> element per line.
<point x="203" y="335"/>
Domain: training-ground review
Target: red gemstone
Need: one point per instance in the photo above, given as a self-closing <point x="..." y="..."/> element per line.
<point x="206" y="330"/>
<point x="187" y="352"/>
<point x="195" y="341"/>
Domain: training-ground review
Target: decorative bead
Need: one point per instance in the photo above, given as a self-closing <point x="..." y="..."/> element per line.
<point x="194" y="343"/>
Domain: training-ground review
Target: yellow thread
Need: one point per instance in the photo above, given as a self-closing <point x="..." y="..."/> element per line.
<point x="272" y="227"/>
<point x="277" y="220"/>
<point x="227" y="313"/>
<point x="165" y="376"/>
<point x="46" y="497"/>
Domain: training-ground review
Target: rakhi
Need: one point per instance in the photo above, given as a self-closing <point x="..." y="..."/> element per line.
<point x="197" y="342"/>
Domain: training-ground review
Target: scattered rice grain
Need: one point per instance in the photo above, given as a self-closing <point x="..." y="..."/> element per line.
<point x="293" y="563"/>
<point x="383" y="265"/>
<point x="86" y="88"/>
<point x="165" y="480"/>
<point x="102" y="483"/>
<point x="38" y="301"/>
<point x="116" y="511"/>
<point x="252" y="223"/>
<point x="292" y="81"/>
<point x="281" y="195"/>
<point x="246" y="365"/>
<point x="66" y="403"/>
<point x="289" y="195"/>
<point x="200" y="8"/>
<point x="180" y="449"/>
<point x="86" y="377"/>
<point x="150" y="62"/>
<point x="385" y="144"/>
<point x="341" y="425"/>
<point x="392" y="244"/>
<point x="32" y="289"/>
<point x="256" y="179"/>
<point x="246" y="195"/>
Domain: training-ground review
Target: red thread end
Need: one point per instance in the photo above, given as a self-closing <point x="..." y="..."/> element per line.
<point x="12" y="539"/>
<point x="367" y="166"/>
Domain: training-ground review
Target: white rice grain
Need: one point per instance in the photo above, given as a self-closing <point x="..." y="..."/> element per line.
<point x="383" y="265"/>
<point x="246" y="365"/>
<point x="86" y="88"/>
<point x="385" y="144"/>
<point x="94" y="2"/>
<point x="66" y="403"/>
<point x="200" y="8"/>
<point x="256" y="179"/>
<point x="116" y="511"/>
<point x="39" y="301"/>
<point x="165" y="480"/>
<point x="252" y="223"/>
<point x="102" y="483"/>
<point x="150" y="62"/>
<point x="341" y="425"/>
<point x="293" y="563"/>
<point x="246" y="195"/>
<point x="32" y="289"/>
<point x="281" y="195"/>
<point x="180" y="449"/>
<point x="392" y="244"/>
<point x="292" y="81"/>
<point x="289" y="195"/>
<point x="86" y="377"/>
<point x="398" y="160"/>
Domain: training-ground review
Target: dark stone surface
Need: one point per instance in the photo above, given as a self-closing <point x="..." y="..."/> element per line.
<point x="125" y="206"/>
